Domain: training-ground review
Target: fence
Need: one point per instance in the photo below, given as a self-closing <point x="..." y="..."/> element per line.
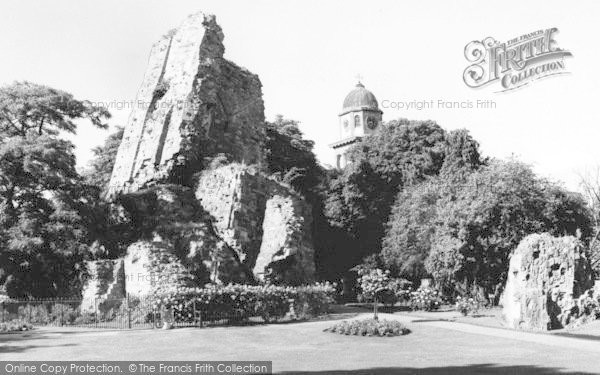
<point x="131" y="312"/>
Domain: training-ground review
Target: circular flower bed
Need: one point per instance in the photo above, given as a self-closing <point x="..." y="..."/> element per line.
<point x="369" y="327"/>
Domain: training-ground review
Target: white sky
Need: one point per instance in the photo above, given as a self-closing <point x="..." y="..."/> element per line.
<point x="307" y="54"/>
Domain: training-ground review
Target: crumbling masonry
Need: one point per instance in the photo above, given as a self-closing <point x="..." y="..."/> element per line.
<point x="191" y="173"/>
<point x="545" y="277"/>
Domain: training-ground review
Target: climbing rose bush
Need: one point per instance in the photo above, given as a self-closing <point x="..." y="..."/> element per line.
<point x="243" y="301"/>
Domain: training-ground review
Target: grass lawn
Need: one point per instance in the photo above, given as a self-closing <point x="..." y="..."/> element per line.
<point x="305" y="348"/>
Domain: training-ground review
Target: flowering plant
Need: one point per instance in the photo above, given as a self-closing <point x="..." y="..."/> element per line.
<point x="374" y="281"/>
<point x="15" y="325"/>
<point x="243" y="301"/>
<point x="369" y="327"/>
<point x="467" y="305"/>
<point x="427" y="299"/>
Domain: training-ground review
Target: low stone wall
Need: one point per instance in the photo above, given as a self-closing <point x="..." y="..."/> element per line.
<point x="546" y="275"/>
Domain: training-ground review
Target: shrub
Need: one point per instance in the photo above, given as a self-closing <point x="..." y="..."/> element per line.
<point x="467" y="305"/>
<point x="369" y="327"/>
<point x="48" y="313"/>
<point x="425" y="299"/>
<point x="401" y="289"/>
<point x="588" y="304"/>
<point x="311" y="301"/>
<point x="243" y="301"/>
<point x="35" y="314"/>
<point x="15" y="325"/>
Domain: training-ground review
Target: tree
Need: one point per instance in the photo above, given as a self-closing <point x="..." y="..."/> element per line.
<point x="291" y="158"/>
<point x="413" y="219"/>
<point x="590" y="185"/>
<point x="103" y="160"/>
<point x="28" y="108"/>
<point x="491" y="212"/>
<point x="411" y="225"/>
<point x="359" y="200"/>
<point x="372" y="284"/>
<point x="43" y="200"/>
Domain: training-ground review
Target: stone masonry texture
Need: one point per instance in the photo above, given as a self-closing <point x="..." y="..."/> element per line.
<point x="105" y="281"/>
<point x="190" y="173"/>
<point x="192" y="103"/>
<point x="546" y="276"/>
<point x="266" y="223"/>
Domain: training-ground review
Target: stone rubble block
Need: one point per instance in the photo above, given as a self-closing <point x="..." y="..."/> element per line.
<point x="545" y="278"/>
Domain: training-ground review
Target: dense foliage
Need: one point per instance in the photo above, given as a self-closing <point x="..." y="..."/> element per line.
<point x="402" y="155"/>
<point x="487" y="216"/>
<point x="268" y="301"/>
<point x="467" y="305"/>
<point x="291" y="158"/>
<point x="426" y="299"/>
<point x="103" y="160"/>
<point x="360" y="198"/>
<point x="45" y="206"/>
<point x="15" y="326"/>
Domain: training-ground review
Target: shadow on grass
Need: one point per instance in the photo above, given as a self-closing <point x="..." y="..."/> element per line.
<point x="7" y="349"/>
<point x="578" y="336"/>
<point x="484" y="368"/>
<point x="430" y="320"/>
<point x="367" y="307"/>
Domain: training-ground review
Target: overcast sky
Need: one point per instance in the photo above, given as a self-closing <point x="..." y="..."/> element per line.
<point x="308" y="53"/>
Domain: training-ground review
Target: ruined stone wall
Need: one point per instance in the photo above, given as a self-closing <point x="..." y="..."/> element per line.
<point x="106" y="280"/>
<point x="546" y="275"/>
<point x="192" y="104"/>
<point x="286" y="252"/>
<point x="193" y="222"/>
<point x="151" y="267"/>
<point x="264" y="221"/>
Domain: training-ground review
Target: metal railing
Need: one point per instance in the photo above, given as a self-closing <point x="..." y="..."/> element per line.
<point x="131" y="312"/>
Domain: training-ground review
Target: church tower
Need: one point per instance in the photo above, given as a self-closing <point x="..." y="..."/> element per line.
<point x="360" y="117"/>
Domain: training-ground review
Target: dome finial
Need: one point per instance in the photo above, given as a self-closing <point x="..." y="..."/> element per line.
<point x="359" y="78"/>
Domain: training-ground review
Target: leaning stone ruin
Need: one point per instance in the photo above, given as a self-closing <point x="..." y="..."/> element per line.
<point x="190" y="174"/>
<point x="546" y="276"/>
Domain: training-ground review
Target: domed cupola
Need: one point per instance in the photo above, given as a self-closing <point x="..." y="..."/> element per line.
<point x="360" y="98"/>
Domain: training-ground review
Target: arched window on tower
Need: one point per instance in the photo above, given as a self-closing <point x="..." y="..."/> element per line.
<point x="356" y="121"/>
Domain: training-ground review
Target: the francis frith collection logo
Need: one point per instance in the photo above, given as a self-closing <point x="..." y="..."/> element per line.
<point x="514" y="63"/>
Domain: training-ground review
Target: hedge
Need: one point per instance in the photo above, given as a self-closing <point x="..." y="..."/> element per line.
<point x="243" y="301"/>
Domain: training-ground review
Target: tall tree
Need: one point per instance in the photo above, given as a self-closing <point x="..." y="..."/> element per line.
<point x="492" y="211"/>
<point x="27" y="108"/>
<point x="43" y="200"/>
<point x="291" y="157"/>
<point x="412" y="223"/>
<point x="359" y="201"/>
